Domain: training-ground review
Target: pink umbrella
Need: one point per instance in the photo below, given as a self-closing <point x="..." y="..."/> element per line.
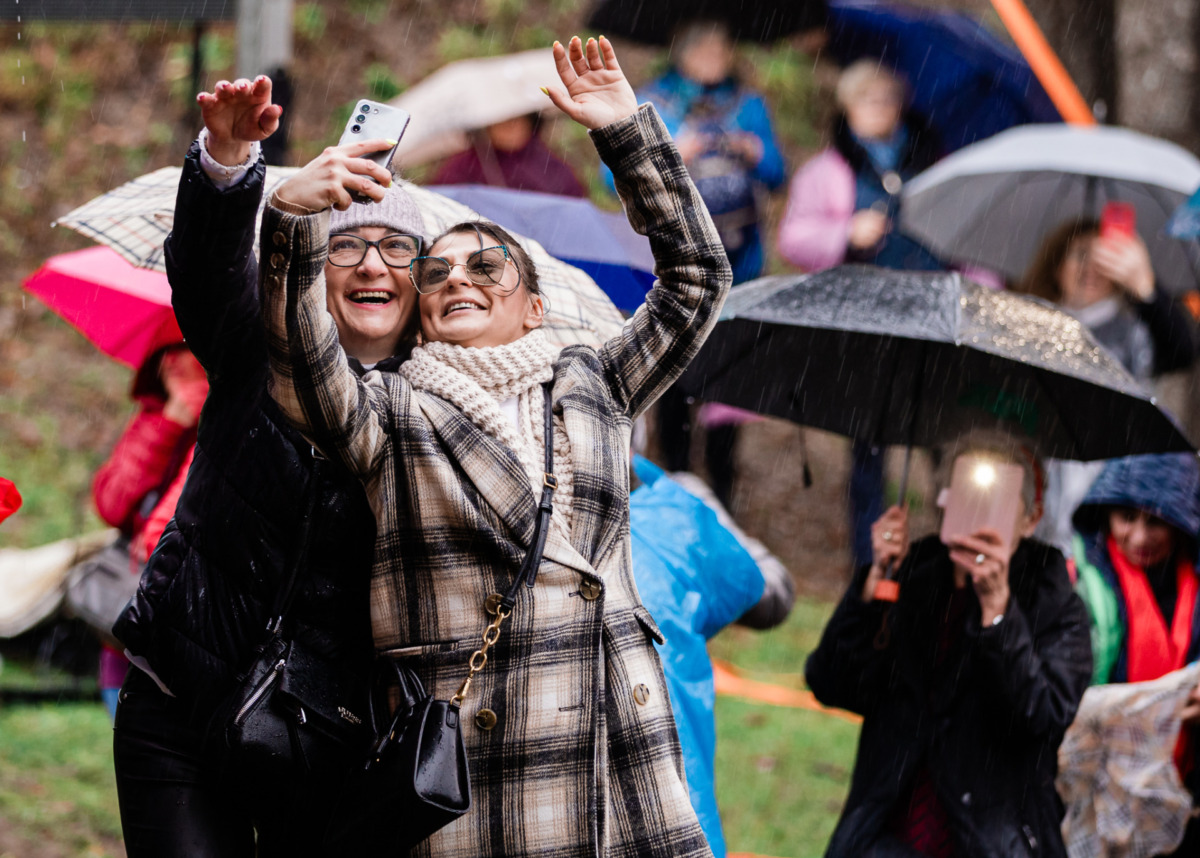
<point x="10" y="498"/>
<point x="124" y="311"/>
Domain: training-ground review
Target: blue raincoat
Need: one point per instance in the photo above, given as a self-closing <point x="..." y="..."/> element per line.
<point x="695" y="578"/>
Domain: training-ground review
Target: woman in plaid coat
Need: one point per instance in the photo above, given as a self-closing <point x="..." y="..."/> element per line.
<point x="572" y="745"/>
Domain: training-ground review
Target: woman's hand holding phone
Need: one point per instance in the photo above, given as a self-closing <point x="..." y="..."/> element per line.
<point x="237" y="114"/>
<point x="889" y="546"/>
<point x="982" y="558"/>
<point x="1125" y="260"/>
<point x="329" y="179"/>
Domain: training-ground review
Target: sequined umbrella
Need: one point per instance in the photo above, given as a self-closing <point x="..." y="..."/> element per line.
<point x="134" y="220"/>
<point x="915" y="358"/>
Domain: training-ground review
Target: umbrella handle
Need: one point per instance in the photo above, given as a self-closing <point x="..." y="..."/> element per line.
<point x="883" y="637"/>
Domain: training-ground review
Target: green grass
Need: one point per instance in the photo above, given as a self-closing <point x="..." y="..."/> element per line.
<point x="56" y="778"/>
<point x="781" y="777"/>
<point x="782" y="773"/>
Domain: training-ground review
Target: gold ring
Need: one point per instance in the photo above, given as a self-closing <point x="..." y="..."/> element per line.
<point x="979" y="558"/>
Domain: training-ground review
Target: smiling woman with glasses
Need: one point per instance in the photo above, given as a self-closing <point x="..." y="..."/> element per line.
<point x="453" y="452"/>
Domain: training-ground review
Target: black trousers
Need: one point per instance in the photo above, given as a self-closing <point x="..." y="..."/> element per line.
<point x="174" y="805"/>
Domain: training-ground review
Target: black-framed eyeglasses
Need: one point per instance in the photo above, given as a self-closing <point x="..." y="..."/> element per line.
<point x="397" y="250"/>
<point x="483" y="267"/>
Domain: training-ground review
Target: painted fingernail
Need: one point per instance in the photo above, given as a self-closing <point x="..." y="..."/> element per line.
<point x="391" y="142"/>
<point x="545" y="91"/>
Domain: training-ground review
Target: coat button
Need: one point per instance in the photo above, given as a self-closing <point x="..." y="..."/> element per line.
<point x="590" y="589"/>
<point x="276" y="260"/>
<point x="641" y="694"/>
<point x="280" y="239"/>
<point x="492" y="603"/>
<point x="485" y="719"/>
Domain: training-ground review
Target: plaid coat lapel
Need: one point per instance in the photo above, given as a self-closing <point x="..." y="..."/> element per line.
<point x="492" y="467"/>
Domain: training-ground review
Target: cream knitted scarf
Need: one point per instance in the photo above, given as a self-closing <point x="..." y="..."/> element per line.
<point x="477" y="380"/>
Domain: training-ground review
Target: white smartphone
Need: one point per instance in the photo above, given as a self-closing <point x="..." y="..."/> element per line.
<point x="984" y="492"/>
<point x="370" y="120"/>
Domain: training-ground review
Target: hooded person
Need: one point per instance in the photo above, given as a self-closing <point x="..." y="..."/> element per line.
<point x="1134" y="556"/>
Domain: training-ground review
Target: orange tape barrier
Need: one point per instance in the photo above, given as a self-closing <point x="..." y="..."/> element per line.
<point x="730" y="683"/>
<point x="1031" y="42"/>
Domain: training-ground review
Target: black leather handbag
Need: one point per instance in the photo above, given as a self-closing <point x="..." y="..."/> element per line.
<point x="416" y="778"/>
<point x="294" y="712"/>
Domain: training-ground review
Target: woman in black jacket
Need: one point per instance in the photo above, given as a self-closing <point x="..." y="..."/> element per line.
<point x="205" y="599"/>
<point x="966" y="685"/>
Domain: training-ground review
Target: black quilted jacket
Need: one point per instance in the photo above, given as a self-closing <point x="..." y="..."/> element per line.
<point x="208" y="590"/>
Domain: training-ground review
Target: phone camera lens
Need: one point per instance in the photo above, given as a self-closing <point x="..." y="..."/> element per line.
<point x="354" y="129"/>
<point x="365" y="108"/>
<point x="360" y="118"/>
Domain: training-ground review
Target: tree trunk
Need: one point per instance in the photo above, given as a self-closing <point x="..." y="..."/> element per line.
<point x="1083" y="33"/>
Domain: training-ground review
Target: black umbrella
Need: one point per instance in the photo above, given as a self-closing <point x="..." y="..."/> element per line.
<point x="654" y="21"/>
<point x="897" y="357"/>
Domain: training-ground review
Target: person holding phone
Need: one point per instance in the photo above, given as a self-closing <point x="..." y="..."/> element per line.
<point x="967" y="682"/>
<point x="568" y="728"/>
<point x="1101" y="273"/>
<point x="204" y="601"/>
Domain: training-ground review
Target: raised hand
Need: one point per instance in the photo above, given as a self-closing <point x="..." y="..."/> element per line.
<point x="594" y="90"/>
<point x="889" y="546"/>
<point x="328" y="179"/>
<point x="1126" y="262"/>
<point x="236" y="115"/>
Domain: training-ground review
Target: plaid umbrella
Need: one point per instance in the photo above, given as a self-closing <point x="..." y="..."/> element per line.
<point x="135" y="218"/>
<point x="1116" y="775"/>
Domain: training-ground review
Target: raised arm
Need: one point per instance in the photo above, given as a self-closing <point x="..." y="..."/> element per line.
<point x="661" y="203"/>
<point x="310" y="378"/>
<point x="209" y="253"/>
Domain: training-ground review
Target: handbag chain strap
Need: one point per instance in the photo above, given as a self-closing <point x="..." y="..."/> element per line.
<point x="529" y="567"/>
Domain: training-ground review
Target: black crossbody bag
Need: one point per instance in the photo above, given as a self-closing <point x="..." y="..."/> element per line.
<point x="295" y="712"/>
<point x="416" y="778"/>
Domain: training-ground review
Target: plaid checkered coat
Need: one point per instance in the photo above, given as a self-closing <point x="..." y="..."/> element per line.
<point x="583" y="758"/>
